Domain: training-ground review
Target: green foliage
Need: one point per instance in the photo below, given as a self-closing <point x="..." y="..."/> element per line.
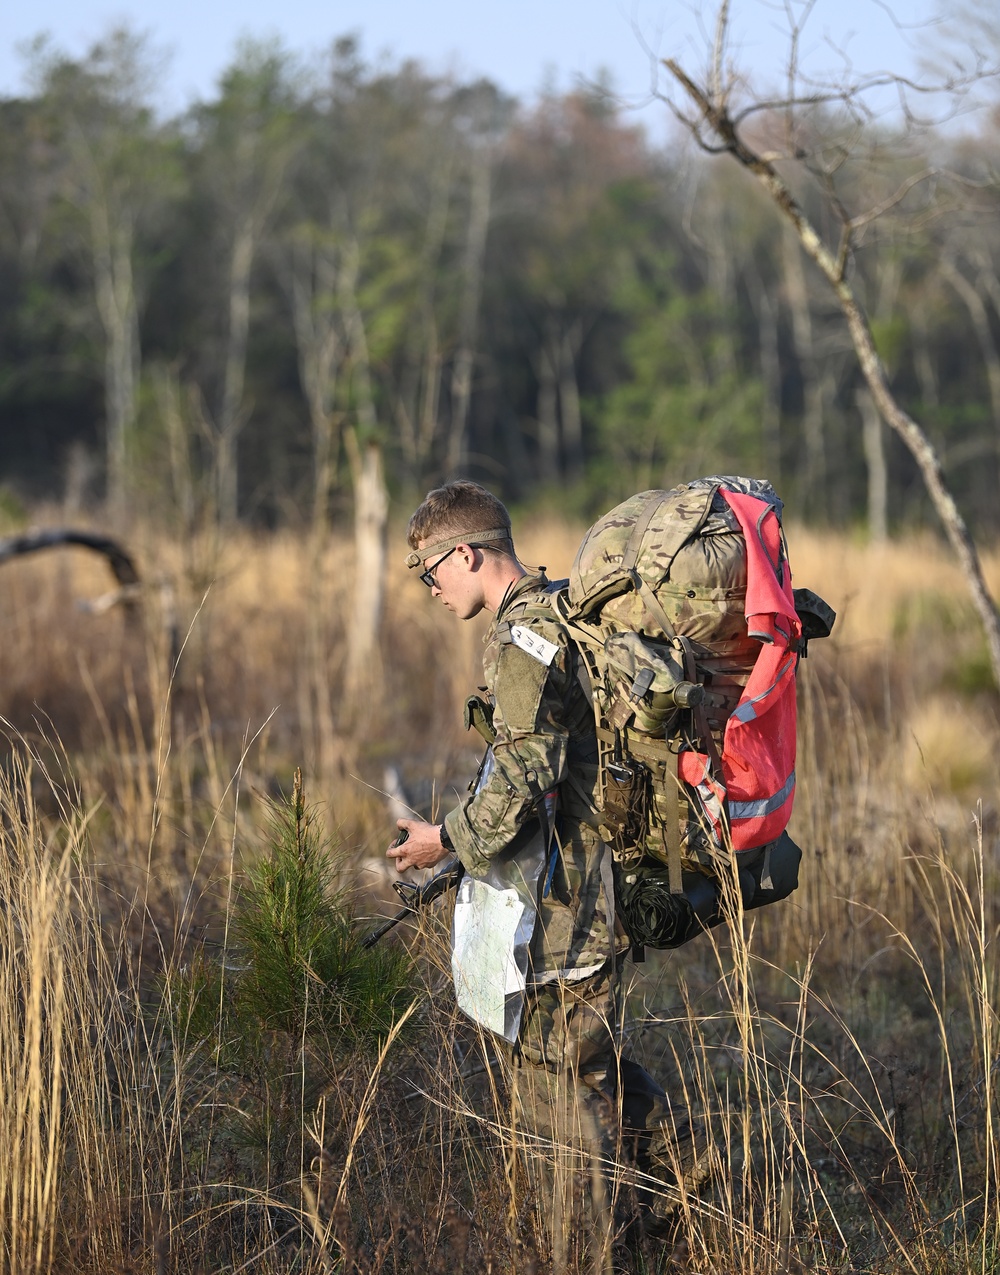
<point x="928" y="618"/>
<point x="296" y="998"/>
<point x="13" y="515"/>
<point x="972" y="673"/>
<point x="891" y="338"/>
<point x="305" y="968"/>
<point x="533" y="296"/>
<point x="930" y="611"/>
<point x="299" y="967"/>
<point x="679" y="413"/>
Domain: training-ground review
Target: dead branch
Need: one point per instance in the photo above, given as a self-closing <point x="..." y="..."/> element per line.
<point x="890" y="202"/>
<point x="714" y="114"/>
<point x="120" y="562"/>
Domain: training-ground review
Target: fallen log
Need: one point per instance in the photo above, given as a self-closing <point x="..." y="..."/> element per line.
<point x="118" y="560"/>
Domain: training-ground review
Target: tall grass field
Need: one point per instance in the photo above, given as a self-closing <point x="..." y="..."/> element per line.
<point x="203" y="1069"/>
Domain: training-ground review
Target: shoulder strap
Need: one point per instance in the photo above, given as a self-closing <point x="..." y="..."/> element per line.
<point x="652" y="603"/>
<point x="631" y="555"/>
<point x="577" y="632"/>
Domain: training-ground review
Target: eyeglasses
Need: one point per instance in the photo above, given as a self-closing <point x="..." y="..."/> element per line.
<point x="428" y="576"/>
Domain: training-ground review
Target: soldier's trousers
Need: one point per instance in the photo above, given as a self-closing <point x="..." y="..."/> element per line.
<point x="597" y="1135"/>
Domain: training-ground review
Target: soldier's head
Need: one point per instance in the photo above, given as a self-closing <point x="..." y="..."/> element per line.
<point x="461" y="537"/>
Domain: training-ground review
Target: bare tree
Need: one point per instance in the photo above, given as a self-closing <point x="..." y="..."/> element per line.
<point x="337" y="254"/>
<point x="322" y="269"/>
<point x="878" y="474"/>
<point x="417" y="400"/>
<point x="251" y="141"/>
<point x="313" y="271"/>
<point x="485" y="117"/>
<point x="813" y="368"/>
<point x="371" y="505"/>
<point x="721" y="126"/>
<point x="112" y="172"/>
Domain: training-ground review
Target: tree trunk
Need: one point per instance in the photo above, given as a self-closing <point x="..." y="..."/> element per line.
<point x="111" y="245"/>
<point x="313" y="285"/>
<point x="468" y="320"/>
<point x="548" y="418"/>
<point x="371" y="508"/>
<point x="313" y="282"/>
<point x="878" y="474"/>
<point x="765" y="311"/>
<point x="371" y="514"/>
<point x="569" y="403"/>
<point x="417" y="401"/>
<point x="813" y="389"/>
<point x="834" y="270"/>
<point x="231" y="417"/>
<point x="922" y="451"/>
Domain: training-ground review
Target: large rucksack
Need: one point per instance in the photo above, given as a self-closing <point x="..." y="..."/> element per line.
<point x="682" y="606"/>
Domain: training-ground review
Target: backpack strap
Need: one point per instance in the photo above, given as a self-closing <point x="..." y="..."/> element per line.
<point x="639" y="528"/>
<point x="652" y="603"/>
<point x="608" y="884"/>
<point x="672" y="833"/>
<point x="582" y="636"/>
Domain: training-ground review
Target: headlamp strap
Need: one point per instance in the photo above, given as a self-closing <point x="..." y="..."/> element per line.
<point x="415" y="559"/>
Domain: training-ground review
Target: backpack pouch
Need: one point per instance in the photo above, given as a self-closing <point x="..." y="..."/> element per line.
<point x="775" y="870"/>
<point x="641" y="677"/>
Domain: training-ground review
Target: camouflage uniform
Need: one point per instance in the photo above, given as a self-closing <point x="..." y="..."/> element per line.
<point x="569" y="1083"/>
<point x="545" y="740"/>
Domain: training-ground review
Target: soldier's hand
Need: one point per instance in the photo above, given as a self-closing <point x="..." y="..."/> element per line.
<point x="422" y="847"/>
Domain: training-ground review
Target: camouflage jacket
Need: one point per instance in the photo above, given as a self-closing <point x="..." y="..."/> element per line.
<point x="545" y="740"/>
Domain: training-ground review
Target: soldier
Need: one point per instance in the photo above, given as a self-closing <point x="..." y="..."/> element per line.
<point x="570" y="1083"/>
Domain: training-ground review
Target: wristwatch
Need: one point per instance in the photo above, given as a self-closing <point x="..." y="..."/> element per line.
<point x="446" y="841"/>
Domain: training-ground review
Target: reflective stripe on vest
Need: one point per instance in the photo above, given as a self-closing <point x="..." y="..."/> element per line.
<point x="747" y="711"/>
<point x="765" y="805"/>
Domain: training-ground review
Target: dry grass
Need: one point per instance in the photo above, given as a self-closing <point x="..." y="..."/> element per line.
<point x="842" y="1045"/>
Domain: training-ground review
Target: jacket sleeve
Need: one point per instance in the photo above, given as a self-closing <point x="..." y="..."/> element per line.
<point x="529" y="753"/>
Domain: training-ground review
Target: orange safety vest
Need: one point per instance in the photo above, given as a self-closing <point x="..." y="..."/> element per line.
<point x="758" y="749"/>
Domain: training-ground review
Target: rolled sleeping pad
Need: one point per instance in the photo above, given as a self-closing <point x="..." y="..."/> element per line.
<point x="654" y="917"/>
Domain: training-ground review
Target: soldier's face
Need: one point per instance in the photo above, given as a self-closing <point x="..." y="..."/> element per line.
<point x="456" y="580"/>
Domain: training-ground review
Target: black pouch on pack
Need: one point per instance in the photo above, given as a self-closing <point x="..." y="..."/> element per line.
<point x="775" y="872"/>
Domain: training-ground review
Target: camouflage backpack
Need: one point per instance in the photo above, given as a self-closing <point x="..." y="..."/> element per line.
<point x="682" y="607"/>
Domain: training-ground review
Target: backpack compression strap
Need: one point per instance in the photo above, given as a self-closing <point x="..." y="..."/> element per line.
<point x="631" y="555"/>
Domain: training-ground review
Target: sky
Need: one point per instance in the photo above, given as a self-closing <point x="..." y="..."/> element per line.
<point x="521" y="44"/>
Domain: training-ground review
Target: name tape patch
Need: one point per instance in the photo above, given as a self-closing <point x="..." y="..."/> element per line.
<point x="538" y="647"/>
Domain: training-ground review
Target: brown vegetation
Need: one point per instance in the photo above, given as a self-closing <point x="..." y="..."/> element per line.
<point x="843" y="1044"/>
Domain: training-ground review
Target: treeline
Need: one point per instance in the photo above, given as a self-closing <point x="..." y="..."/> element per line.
<point x="319" y="278"/>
